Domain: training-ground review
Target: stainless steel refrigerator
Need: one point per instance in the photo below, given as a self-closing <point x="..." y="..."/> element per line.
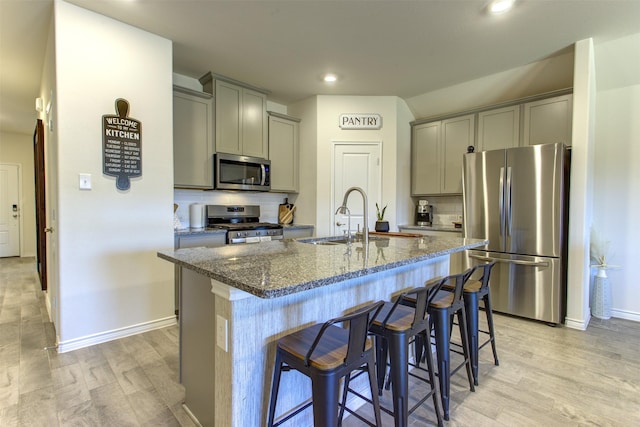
<point x="517" y="198"/>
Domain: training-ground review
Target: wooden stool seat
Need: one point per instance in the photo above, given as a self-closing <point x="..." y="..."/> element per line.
<point x="472" y="286"/>
<point x="443" y="299"/>
<point x="401" y="318"/>
<point x="330" y="352"/>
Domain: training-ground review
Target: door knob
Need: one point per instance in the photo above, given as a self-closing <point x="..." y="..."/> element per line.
<point x="48" y="230"/>
<point x="339" y="224"/>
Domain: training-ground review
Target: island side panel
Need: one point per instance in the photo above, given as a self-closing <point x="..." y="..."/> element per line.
<point x="197" y="342"/>
<point x="243" y="374"/>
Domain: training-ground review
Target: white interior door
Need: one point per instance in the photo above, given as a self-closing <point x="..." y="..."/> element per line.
<point x="9" y="211"/>
<point x="355" y="164"/>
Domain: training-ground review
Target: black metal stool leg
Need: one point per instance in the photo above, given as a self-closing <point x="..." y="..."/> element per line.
<point x="277" y="372"/>
<point x="382" y="349"/>
<point x="398" y="354"/>
<point x="462" y="322"/>
<point x="471" y="310"/>
<point x="441" y="328"/>
<point x="325" y="404"/>
<point x="489" y="313"/>
<point x="374" y="387"/>
<point x="432" y="379"/>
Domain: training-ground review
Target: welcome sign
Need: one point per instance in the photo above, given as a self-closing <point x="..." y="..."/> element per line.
<point x="360" y="121"/>
<point x="121" y="145"/>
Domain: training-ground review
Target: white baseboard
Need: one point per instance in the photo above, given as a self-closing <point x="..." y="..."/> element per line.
<point x="577" y="324"/>
<point x="624" y="314"/>
<point x="115" y="334"/>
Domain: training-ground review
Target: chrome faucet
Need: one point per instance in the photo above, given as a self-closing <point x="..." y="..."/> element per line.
<point x="343" y="210"/>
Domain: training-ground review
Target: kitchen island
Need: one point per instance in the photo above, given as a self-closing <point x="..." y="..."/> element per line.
<point x="238" y="300"/>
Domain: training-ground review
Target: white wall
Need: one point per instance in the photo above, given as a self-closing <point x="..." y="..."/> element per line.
<point x="547" y="75"/>
<point x="616" y="170"/>
<point x="111" y="282"/>
<point x="17" y="148"/>
<point x="320" y="127"/>
<point x="581" y="192"/>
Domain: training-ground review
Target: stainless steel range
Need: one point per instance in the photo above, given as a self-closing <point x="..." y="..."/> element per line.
<point x="242" y="224"/>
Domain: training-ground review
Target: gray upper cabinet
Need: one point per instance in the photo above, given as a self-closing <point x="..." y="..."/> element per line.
<point x="548" y="121"/>
<point x="192" y="139"/>
<point x="436" y="155"/>
<point x="457" y="134"/>
<point x="498" y="128"/>
<point x="425" y="159"/>
<point x="283" y="152"/>
<point x="241" y="120"/>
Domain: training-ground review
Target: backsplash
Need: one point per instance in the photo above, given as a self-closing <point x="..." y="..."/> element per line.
<point x="268" y="202"/>
<point x="446" y="209"/>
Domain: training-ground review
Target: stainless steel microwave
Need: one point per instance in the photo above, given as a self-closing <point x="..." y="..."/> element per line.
<point x="233" y="172"/>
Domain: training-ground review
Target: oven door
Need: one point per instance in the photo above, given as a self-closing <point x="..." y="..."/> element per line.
<point x="233" y="172"/>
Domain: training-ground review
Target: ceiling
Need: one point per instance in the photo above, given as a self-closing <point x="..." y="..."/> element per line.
<point x="376" y="47"/>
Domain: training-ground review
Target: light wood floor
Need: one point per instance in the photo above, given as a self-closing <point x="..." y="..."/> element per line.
<point x="547" y="376"/>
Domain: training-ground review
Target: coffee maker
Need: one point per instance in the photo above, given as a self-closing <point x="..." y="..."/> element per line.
<point x="424" y="213"/>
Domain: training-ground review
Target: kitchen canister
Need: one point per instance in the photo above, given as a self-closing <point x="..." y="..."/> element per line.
<point x="196" y="215"/>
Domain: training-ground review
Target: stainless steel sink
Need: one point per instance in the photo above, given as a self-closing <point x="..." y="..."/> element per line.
<point x="331" y="241"/>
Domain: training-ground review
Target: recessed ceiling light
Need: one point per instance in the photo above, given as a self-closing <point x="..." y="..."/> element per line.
<point x="500" y="6"/>
<point x="330" y="78"/>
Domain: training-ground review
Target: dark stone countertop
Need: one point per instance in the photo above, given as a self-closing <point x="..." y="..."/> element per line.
<point x="278" y="268"/>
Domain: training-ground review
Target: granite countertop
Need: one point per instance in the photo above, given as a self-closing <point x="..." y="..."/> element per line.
<point x="278" y="268"/>
<point x="434" y="227"/>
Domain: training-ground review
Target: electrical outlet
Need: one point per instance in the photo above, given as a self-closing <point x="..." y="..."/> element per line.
<point x="84" y="181"/>
<point x="222" y="332"/>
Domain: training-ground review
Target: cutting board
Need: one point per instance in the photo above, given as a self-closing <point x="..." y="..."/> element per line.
<point x="285" y="213"/>
<point x="394" y="234"/>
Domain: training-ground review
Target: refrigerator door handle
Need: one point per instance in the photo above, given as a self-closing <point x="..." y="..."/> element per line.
<point x="510" y="261"/>
<point x="501" y="201"/>
<point x="508" y="202"/>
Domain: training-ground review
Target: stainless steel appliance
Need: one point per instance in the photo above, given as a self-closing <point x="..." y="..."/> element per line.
<point x="517" y="198"/>
<point x="424" y="213"/>
<point x="242" y="224"/>
<point x="233" y="172"/>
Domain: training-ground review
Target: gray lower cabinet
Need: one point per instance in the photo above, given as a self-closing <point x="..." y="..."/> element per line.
<point x="284" y="152"/>
<point x="297" y="231"/>
<point x="207" y="240"/>
<point x="192" y="139"/>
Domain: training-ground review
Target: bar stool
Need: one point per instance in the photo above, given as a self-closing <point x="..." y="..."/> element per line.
<point x="326" y="353"/>
<point x="474" y="290"/>
<point x="442" y="309"/>
<point x="394" y="327"/>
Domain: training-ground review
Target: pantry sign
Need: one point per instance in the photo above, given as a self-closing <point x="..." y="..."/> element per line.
<point x="360" y="121"/>
<point x="121" y="145"/>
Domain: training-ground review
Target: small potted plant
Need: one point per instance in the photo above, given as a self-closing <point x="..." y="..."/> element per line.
<point x="381" y="224"/>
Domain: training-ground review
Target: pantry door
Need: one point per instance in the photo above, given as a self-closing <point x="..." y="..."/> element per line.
<point x="355" y="164"/>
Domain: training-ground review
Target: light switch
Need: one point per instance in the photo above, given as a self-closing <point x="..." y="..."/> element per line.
<point x="85" y="181"/>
